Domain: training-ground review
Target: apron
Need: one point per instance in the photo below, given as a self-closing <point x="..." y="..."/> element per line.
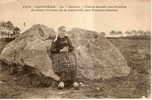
<point x="65" y="65"/>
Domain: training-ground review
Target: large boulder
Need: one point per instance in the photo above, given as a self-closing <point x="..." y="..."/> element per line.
<point x="97" y="58"/>
<point x="31" y="49"/>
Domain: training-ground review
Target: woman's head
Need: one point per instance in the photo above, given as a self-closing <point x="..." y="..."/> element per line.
<point x="62" y="31"/>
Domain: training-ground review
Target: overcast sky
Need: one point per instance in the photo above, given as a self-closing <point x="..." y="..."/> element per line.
<point x="135" y="16"/>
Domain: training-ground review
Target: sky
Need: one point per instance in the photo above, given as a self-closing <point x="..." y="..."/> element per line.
<point x="135" y="17"/>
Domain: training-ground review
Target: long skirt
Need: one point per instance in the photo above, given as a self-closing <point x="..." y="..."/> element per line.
<point x="65" y="65"/>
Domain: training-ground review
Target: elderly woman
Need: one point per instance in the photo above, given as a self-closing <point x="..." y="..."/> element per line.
<point x="64" y="61"/>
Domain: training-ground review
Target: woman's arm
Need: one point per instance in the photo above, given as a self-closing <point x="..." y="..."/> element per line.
<point x="54" y="48"/>
<point x="71" y="48"/>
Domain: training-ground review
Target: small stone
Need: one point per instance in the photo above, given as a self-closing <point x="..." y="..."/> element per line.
<point x="1" y="82"/>
<point x="60" y="93"/>
<point x="143" y="97"/>
<point x="97" y="88"/>
<point x="82" y="84"/>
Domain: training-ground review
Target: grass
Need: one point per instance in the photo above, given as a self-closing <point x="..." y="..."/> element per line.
<point x="137" y="54"/>
<point x="135" y="85"/>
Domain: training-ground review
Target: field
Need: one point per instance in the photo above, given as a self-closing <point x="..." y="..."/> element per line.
<point x="135" y="85"/>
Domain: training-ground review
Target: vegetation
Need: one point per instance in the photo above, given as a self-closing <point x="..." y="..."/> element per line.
<point x="135" y="85"/>
<point x="132" y="33"/>
<point x="8" y="30"/>
<point x="8" y="25"/>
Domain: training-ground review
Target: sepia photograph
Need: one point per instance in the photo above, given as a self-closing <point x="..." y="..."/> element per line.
<point x="75" y="49"/>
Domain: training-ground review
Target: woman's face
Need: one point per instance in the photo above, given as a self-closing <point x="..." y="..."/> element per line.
<point x="62" y="33"/>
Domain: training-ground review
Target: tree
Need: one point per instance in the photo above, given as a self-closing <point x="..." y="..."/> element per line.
<point x="9" y="25"/>
<point x="119" y="33"/>
<point x="134" y="32"/>
<point x="2" y="24"/>
<point x="112" y="32"/>
<point x="147" y="33"/>
<point x="140" y="32"/>
<point x="127" y="33"/>
<point x="8" y="29"/>
<point x="115" y="33"/>
<point x="103" y="33"/>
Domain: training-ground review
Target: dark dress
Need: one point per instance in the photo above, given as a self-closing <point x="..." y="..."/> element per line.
<point x="64" y="63"/>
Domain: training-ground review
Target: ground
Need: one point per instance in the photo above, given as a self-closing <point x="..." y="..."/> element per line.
<point x="135" y="85"/>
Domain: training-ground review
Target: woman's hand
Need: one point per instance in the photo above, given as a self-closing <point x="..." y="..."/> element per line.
<point x="65" y="49"/>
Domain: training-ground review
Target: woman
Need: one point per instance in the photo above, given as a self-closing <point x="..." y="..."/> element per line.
<point x="64" y="61"/>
